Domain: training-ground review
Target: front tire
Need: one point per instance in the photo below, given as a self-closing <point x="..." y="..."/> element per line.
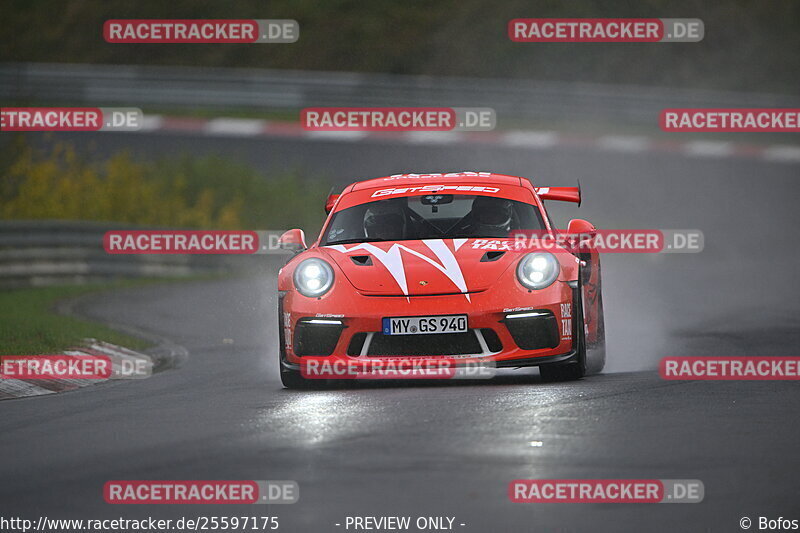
<point x="575" y="370"/>
<point x="558" y="373"/>
<point x="291" y="379"/>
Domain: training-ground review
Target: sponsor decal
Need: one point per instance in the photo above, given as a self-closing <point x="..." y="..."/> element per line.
<point x="514" y="309"/>
<point x="566" y="321"/>
<point x="287" y="330"/>
<point x="492" y="244"/>
<point x="439" y="175"/>
<point x="435" y="188"/>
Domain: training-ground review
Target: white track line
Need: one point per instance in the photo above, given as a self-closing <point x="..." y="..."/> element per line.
<point x="624" y="143"/>
<point x="433" y="137"/>
<point x="782" y="153"/>
<point x="346" y="136"/>
<point x="152" y="123"/>
<point x="531" y="139"/>
<point x="709" y="148"/>
<point x="240" y="127"/>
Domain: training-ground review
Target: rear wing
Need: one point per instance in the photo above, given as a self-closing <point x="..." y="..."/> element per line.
<point x="560" y="194"/>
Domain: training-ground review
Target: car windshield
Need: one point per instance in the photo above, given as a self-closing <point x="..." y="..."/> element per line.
<point x="431" y="216"/>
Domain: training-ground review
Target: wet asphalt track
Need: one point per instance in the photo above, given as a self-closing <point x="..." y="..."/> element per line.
<point x="451" y="449"/>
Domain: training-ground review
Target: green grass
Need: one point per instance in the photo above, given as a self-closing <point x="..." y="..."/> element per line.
<point x="30" y="326"/>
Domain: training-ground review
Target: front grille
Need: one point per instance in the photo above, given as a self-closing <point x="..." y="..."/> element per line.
<point x="492" y="340"/>
<point x="433" y="344"/>
<point x="316" y="339"/>
<point x="356" y="343"/>
<point x="534" y="332"/>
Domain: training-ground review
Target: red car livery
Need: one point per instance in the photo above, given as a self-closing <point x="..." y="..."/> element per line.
<point x="433" y="266"/>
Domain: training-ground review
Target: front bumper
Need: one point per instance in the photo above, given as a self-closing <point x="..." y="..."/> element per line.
<point x="511" y="327"/>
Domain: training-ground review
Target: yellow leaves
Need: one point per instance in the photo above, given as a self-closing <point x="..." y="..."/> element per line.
<point x="208" y="192"/>
<point x="60" y="184"/>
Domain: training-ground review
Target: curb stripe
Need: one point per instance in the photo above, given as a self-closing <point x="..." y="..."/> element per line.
<point x="533" y="139"/>
<point x="20" y="388"/>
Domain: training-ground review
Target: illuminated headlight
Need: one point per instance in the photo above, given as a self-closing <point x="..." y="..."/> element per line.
<point x="313" y="277"/>
<point x="538" y="270"/>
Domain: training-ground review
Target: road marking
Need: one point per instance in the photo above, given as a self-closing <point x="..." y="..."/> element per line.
<point x="709" y="148"/>
<point x="531" y="139"/>
<point x="235" y="126"/>
<point x="624" y="143"/>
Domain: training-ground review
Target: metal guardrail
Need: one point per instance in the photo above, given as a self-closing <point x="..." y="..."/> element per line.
<point x="194" y="87"/>
<point x="36" y="253"/>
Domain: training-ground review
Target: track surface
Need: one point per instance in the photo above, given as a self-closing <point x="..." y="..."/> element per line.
<point x="450" y="450"/>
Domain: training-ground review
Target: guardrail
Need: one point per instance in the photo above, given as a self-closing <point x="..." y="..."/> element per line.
<point x="49" y="252"/>
<point x="194" y="87"/>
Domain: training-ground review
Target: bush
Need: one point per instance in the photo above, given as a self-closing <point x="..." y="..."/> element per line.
<point x="180" y="192"/>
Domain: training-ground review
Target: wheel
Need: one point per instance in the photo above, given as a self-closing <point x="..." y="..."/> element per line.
<point x="596" y="354"/>
<point x="569" y="371"/>
<point x="291" y="379"/>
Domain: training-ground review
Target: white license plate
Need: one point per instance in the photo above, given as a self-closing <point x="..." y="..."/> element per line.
<point x="417" y="325"/>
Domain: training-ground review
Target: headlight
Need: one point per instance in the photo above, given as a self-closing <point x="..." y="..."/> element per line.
<point x="538" y="270"/>
<point x="313" y="277"/>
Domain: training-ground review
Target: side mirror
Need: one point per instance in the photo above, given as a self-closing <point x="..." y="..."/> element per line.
<point x="330" y="202"/>
<point x="578" y="226"/>
<point x="293" y="240"/>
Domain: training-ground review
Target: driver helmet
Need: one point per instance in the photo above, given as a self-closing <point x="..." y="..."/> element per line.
<point x="385" y="220"/>
<point x="492" y="216"/>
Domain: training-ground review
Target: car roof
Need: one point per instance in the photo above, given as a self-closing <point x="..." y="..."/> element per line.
<point x="465" y="178"/>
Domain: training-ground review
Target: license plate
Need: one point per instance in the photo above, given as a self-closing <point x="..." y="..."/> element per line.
<point x="420" y="325"/>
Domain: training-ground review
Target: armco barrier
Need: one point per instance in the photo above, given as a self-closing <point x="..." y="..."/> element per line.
<point x="50" y="252"/>
<point x="192" y="87"/>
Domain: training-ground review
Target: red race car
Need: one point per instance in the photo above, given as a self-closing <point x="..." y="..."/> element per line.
<point x="431" y="266"/>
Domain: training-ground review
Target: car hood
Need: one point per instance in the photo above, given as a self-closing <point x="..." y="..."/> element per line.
<point x="431" y="266"/>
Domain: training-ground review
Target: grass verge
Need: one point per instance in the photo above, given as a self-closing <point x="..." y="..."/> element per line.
<point x="30" y="326"/>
